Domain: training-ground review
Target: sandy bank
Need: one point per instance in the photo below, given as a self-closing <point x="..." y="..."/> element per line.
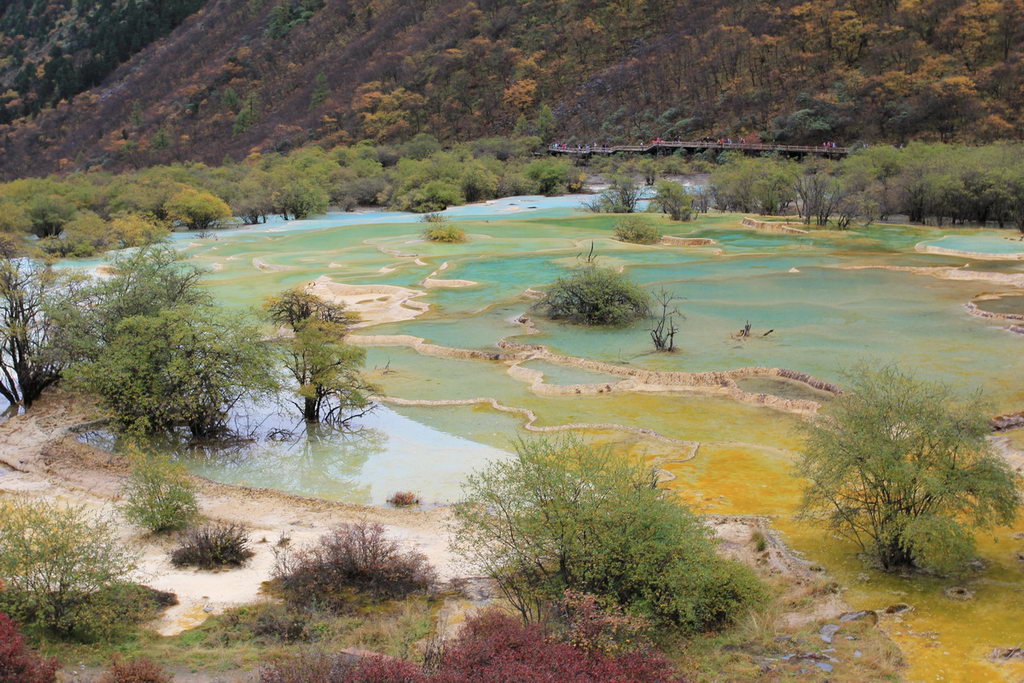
<point x="973" y="309"/>
<point x="375" y="304"/>
<point x="49" y="463"/>
<point x="260" y="264"/>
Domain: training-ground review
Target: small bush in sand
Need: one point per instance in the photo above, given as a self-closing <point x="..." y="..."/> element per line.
<point x="212" y="546"/>
<point x="19" y="664"/>
<point x="139" y="670"/>
<point x="403" y="499"/>
<point x="354" y="560"/>
<point x="637" y="231"/>
<point x="443" y="232"/>
<point x="159" y="495"/>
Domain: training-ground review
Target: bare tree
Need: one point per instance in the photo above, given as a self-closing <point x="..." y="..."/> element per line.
<point x="818" y="194"/>
<point x="663" y="332"/>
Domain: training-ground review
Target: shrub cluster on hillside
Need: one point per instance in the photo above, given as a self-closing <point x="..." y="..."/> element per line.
<point x="89" y="213"/>
<point x="937" y="184"/>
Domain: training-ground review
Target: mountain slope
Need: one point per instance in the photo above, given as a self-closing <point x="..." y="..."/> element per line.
<point x="55" y="49"/>
<point x="237" y="77"/>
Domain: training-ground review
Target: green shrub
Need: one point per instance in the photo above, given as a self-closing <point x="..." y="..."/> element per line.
<point x="637" y="231"/>
<point x="65" y="570"/>
<point x="566" y="515"/>
<point x="159" y="495"/>
<point x="212" y="546"/>
<point x="443" y="232"/>
<point x="187" y="366"/>
<point x="595" y="296"/>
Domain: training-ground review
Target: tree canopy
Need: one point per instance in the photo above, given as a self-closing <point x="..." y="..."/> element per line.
<point x="564" y="514"/>
<point x="326" y="371"/>
<point x="181" y="367"/>
<point x="902" y="467"/>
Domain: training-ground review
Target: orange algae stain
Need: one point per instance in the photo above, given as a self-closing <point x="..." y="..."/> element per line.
<point x="190" y="618"/>
<point x="941" y="639"/>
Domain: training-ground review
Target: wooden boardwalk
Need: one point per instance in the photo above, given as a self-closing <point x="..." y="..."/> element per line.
<point x="669" y="146"/>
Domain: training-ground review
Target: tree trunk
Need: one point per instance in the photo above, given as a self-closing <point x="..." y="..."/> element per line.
<point x="311" y="409"/>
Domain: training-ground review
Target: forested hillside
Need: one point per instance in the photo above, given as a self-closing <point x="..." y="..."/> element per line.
<point x="55" y="49"/>
<point x="267" y="75"/>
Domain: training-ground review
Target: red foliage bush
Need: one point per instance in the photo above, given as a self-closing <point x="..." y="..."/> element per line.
<point x="497" y="647"/>
<point x="139" y="670"/>
<point x="353" y="556"/>
<point x="403" y="499"/>
<point x="386" y="670"/>
<point x="492" y="647"/>
<point x="19" y="664"/>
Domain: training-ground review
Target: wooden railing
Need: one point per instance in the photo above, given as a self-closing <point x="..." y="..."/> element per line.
<point x="587" y="150"/>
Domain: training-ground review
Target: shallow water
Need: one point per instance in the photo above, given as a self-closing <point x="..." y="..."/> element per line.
<point x="986" y="242"/>
<point x="809" y="309"/>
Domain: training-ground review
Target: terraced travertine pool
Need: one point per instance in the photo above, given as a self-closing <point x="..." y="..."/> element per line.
<point x="831" y="300"/>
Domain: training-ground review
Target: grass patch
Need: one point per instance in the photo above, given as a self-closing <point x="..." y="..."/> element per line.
<point x="443" y="231"/>
<point x="636" y="230"/>
<point x="245" y="638"/>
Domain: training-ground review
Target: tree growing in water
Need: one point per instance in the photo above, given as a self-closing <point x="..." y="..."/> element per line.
<point x="594" y="295"/>
<point x="185" y="366"/>
<point x="326" y="369"/>
<point x="902" y="467"/>
<point x="30" y="340"/>
<point x="663" y="330"/>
